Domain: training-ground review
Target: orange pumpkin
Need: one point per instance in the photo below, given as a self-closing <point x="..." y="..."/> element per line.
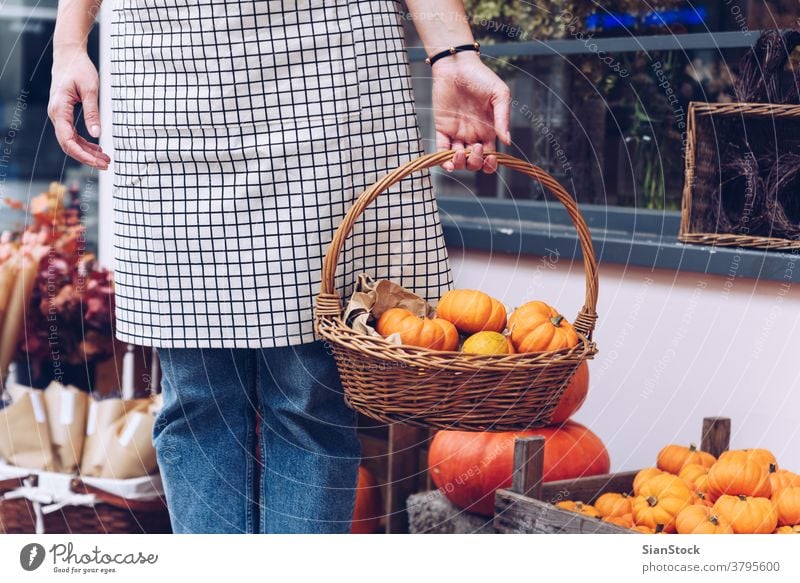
<point x="369" y="504"/>
<point x="696" y="476"/>
<point x="574" y="395"/>
<point x="737" y="473"/>
<point x="787" y="504"/>
<point x="660" y="500"/>
<point x="537" y="327"/>
<point x="701" y="499"/>
<point x="642" y="529"/>
<point x="625" y="520"/>
<point x="579" y="507"/>
<point x="613" y="504"/>
<point x="469" y="467"/>
<point x="642" y="477"/>
<point x="747" y="514"/>
<point x="472" y="311"/>
<point x="701" y="520"/>
<point x="788" y="529"/>
<point x="488" y="343"/>
<point x="436" y="334"/>
<point x="780" y="479"/>
<point x="672" y="458"/>
<point x="759" y="455"/>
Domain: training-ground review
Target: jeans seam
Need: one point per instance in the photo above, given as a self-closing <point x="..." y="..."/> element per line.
<point x="251" y="494"/>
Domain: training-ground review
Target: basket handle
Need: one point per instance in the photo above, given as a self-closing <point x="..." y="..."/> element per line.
<point x="328" y="302"/>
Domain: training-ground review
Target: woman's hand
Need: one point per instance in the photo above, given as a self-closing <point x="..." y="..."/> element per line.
<point x="471" y="108"/>
<point x="74" y="81"/>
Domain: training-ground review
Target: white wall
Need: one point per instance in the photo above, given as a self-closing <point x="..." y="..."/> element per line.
<point x="673" y="348"/>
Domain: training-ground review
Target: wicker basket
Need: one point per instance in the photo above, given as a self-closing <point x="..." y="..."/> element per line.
<point x="452" y="390"/>
<point x="711" y="129"/>
<point x="110" y="514"/>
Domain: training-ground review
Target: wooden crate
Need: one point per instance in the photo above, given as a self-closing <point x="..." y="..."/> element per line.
<point x="528" y="506"/>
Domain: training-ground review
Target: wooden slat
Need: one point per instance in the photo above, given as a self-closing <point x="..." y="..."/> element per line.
<point x="587" y="489"/>
<point x="528" y="466"/>
<point x="517" y="514"/>
<point x="405" y="474"/>
<point x="716" y="437"/>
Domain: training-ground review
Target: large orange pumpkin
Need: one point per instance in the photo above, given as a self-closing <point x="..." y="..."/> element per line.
<point x="672" y="458"/>
<point x="468" y="467"/>
<point x="369" y="504"/>
<point x="436" y="334"/>
<point x="472" y="311"/>
<point x="574" y="395"/>
<point x="736" y="473"/>
<point x="537" y="327"/>
<point x="747" y="514"/>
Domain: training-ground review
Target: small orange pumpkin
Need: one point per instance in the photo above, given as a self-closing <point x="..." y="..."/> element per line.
<point x="642" y="477"/>
<point x="436" y="334"/>
<point x="762" y="456"/>
<point x="787" y="504"/>
<point x="612" y="504"/>
<point x="624" y="520"/>
<point x="672" y="458"/>
<point x="487" y="343"/>
<point x="788" y="529"/>
<point x="472" y="311"/>
<point x="660" y="500"/>
<point x="537" y="327"/>
<point x="747" y="514"/>
<point x="701" y="520"/>
<point x="780" y="479"/>
<point x="696" y="476"/>
<point x="579" y="507"/>
<point x="642" y="529"/>
<point x="701" y="499"/>
<point x="736" y="473"/>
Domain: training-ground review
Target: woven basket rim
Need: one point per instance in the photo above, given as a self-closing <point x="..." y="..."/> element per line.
<point x="389" y="351"/>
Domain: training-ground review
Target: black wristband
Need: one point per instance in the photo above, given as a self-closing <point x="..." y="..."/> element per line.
<point x="452" y="51"/>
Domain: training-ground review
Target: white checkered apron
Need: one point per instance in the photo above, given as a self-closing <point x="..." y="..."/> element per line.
<point x="243" y="132"/>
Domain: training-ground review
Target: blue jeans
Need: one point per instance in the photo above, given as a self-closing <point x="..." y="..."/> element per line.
<point x="219" y="477"/>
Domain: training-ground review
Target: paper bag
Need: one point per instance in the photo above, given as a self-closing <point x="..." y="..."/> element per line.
<point x="371" y="299"/>
<point x="66" y="417"/>
<point x="100" y="426"/>
<point x="24" y="431"/>
<point x="130" y="447"/>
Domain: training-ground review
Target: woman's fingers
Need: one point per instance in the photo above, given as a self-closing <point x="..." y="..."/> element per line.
<point x="91" y="112"/>
<point x="460" y="157"/>
<point x="74" y="146"/>
<point x="475" y="159"/>
<point x="443" y="143"/>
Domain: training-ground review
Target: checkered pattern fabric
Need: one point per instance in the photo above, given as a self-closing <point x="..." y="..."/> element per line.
<point x="243" y="132"/>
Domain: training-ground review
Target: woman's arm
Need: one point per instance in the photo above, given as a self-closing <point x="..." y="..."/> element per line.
<point x="471" y="105"/>
<point x="74" y="81"/>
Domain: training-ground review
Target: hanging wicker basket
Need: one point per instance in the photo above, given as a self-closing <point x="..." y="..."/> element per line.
<point x="452" y="390"/>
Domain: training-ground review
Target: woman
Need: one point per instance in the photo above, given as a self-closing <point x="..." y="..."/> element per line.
<point x="243" y="132"/>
